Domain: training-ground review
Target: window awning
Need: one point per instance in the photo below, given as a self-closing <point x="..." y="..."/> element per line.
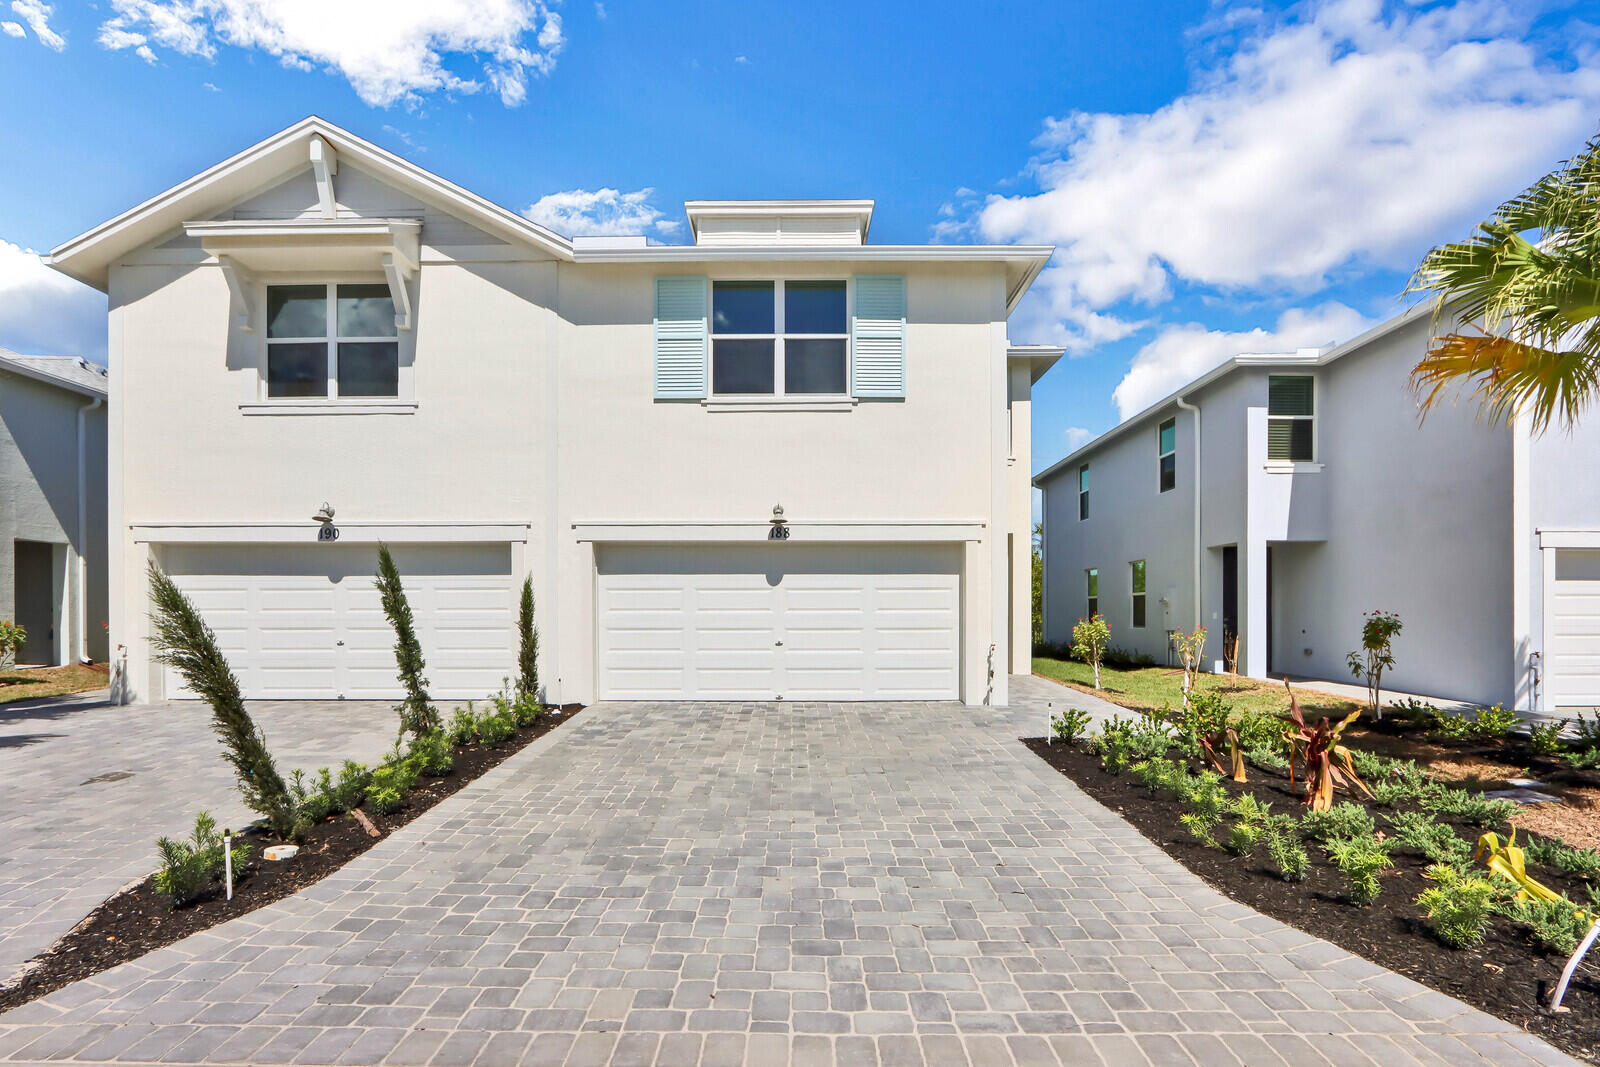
<point x="246" y="247"/>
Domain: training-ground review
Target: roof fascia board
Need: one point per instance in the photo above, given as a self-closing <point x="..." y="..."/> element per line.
<point x="26" y="371"/>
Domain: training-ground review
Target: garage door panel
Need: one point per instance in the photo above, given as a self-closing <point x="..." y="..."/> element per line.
<point x="1572" y="641"/>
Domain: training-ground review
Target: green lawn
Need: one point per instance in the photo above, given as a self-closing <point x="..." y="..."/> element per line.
<point x="1151" y="688"/>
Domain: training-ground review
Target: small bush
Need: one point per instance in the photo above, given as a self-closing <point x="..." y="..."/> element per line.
<point x="1342" y="822"/>
<point x="1474" y="809"/>
<point x="1545" y="737"/>
<point x="315" y="801"/>
<point x="1492" y="723"/>
<point x="1459" y="906"/>
<point x="1268" y="759"/>
<point x="391" y="781"/>
<point x="1114" y="743"/>
<point x="1586" y="759"/>
<point x="1207" y="714"/>
<point x="351" y="789"/>
<point x="1243" y="838"/>
<point x="1360" y="859"/>
<point x="1556" y="925"/>
<point x="528" y="709"/>
<point x="189" y="867"/>
<point x="1164" y="776"/>
<point x="1247" y="833"/>
<point x="1151" y="737"/>
<point x="1206" y="802"/>
<point x="1285" y="850"/>
<point x="1435" y="840"/>
<point x="1553" y="852"/>
<point x="1587" y="732"/>
<point x="496" y="729"/>
<point x="463" y="729"/>
<point x="433" y="753"/>
<point x="1260" y="731"/>
<point x="1069" y="725"/>
<point x="1414" y="711"/>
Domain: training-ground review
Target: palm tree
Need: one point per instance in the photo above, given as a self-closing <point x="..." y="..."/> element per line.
<point x="1530" y="276"/>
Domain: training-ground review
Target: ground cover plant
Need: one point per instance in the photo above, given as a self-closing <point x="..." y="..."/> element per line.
<point x="1418" y="871"/>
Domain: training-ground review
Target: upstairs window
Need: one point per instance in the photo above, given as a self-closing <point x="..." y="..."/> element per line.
<point x="1290" y="417"/>
<point x="1167" y="454"/>
<point x="779" y="338"/>
<point x="331" y="342"/>
<point x="1092" y="580"/>
<point x="1136" y="569"/>
<point x="1083" y="492"/>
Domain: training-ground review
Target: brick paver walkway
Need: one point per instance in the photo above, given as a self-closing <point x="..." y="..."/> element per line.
<point x="760" y="883"/>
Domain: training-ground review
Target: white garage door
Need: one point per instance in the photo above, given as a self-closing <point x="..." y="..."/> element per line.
<point x="778" y="622"/>
<point x="1572" y="645"/>
<point x="304" y="621"/>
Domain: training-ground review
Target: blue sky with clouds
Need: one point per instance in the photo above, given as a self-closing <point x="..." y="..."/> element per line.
<point x="1218" y="178"/>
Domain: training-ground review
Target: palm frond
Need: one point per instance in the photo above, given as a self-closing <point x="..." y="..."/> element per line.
<point x="1508" y="377"/>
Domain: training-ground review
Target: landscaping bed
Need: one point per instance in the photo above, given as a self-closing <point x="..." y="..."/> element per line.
<point x="140" y="919"/>
<point x="29" y="683"/>
<point x="1506" y="974"/>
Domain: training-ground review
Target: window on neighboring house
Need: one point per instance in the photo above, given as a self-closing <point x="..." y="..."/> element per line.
<point x="1167" y="451"/>
<point x="1290" y="417"/>
<point x="331" y="341"/>
<point x="779" y="338"/>
<point x="1083" y="492"/>
<point x="1137" y="576"/>
<point x="1092" y="577"/>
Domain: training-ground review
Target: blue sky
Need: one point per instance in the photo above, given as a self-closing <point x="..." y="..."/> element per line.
<point x="1217" y="178"/>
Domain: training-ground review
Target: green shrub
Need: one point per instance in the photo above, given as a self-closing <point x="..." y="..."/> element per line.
<point x="433" y="754"/>
<point x="417" y="714"/>
<point x="1459" y="906"/>
<point x="1474" y="809"/>
<point x="1268" y="759"/>
<point x="496" y="729"/>
<point x="1206" y="802"/>
<point x="1587" y="732"/>
<point x="1435" y="840"/>
<point x="1585" y="759"/>
<point x="1360" y="859"/>
<point x="1163" y="775"/>
<point x="1553" y="852"/>
<point x="1150" y="737"/>
<point x="1556" y="925"/>
<point x="463" y="730"/>
<point x="1545" y="737"/>
<point x="1414" y="711"/>
<point x="1069" y="725"/>
<point x="1259" y="731"/>
<point x="1344" y="821"/>
<point x="1250" y="826"/>
<point x="528" y="709"/>
<point x="1243" y="838"/>
<point x="1492" y="723"/>
<point x="1114" y="743"/>
<point x="1285" y="850"/>
<point x="189" y="867"/>
<point x="1445" y="726"/>
<point x="527" y="644"/>
<point x="315" y="800"/>
<point x="351" y="789"/>
<point x="391" y="781"/>
<point x="1207" y="714"/>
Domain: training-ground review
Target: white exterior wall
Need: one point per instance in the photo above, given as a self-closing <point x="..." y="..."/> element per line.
<point x="1019" y="466"/>
<point x="534" y="406"/>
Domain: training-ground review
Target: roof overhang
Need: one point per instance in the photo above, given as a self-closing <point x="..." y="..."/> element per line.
<point x="28" y="371"/>
<point x="1040" y="358"/>
<point x="89" y="256"/>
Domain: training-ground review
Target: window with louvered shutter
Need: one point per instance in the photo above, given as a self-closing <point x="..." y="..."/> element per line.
<point x="680" y="337"/>
<point x="878" y="336"/>
<point x="1291" y="418"/>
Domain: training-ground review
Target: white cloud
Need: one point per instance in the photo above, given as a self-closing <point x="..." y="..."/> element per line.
<point x="37" y="16"/>
<point x="13" y="29"/>
<point x="1179" y="354"/>
<point x="599" y="10"/>
<point x="389" y="50"/>
<point x="44" y="312"/>
<point x="1077" y="437"/>
<point x="584" y="213"/>
<point x="1344" y="135"/>
<point x="742" y="60"/>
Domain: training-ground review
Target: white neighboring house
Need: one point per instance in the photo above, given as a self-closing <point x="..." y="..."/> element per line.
<point x="316" y="320"/>
<point x="53" y="505"/>
<point x="1323" y="496"/>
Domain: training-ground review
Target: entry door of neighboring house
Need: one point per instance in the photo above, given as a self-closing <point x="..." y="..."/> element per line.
<point x="1572" y="629"/>
<point x="36" y="600"/>
<point x="1230" y="591"/>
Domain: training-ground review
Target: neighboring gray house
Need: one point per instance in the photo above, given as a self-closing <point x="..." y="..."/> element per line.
<point x="1322" y="496"/>
<point x="53" y="505"/>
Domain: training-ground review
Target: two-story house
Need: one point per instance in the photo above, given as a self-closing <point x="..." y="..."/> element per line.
<point x="53" y="505"/>
<point x="777" y="463"/>
<point x="1278" y="497"/>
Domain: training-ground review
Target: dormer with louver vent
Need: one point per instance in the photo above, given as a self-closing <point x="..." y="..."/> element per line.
<point x="803" y="223"/>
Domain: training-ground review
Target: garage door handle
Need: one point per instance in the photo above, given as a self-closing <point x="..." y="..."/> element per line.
<point x="338" y="642"/>
<point x="778" y="643"/>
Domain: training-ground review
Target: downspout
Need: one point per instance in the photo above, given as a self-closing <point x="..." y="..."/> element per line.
<point x="83" y="528"/>
<point x="1185" y="406"/>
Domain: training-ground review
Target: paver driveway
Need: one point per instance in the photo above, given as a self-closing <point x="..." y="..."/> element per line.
<point x="711" y="883"/>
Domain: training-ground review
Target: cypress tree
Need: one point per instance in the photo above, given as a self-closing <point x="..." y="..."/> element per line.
<point x="417" y="713"/>
<point x="184" y="641"/>
<point x="528" y="644"/>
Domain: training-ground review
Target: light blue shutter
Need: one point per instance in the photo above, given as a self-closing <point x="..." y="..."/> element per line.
<point x="680" y="338"/>
<point x="878" y="336"/>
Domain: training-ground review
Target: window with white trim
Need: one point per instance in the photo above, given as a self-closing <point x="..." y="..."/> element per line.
<point x="331" y="341"/>
<point x="1136" y="585"/>
<point x="1291" y="418"/>
<point x="780" y="338"/>
<point x="1167" y="454"/>
<point x="1092" y="581"/>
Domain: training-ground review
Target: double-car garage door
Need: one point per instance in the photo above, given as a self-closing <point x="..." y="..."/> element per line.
<point x="304" y="621"/>
<point x="778" y="621"/>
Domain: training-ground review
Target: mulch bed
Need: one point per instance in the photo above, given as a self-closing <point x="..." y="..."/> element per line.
<point x="140" y="920"/>
<point x="1506" y="976"/>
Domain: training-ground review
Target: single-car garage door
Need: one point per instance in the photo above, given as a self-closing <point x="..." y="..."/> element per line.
<point x="304" y="622"/>
<point x="1572" y="645"/>
<point x="778" y="622"/>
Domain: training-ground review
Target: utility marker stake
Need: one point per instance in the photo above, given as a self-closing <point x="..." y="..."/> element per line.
<point x="1049" y="717"/>
<point x="227" y="859"/>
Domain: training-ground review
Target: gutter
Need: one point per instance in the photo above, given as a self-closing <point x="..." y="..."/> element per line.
<point x="83" y="529"/>
<point x="1185" y="406"/>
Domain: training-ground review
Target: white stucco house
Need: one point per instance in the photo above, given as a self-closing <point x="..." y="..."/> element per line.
<point x="1278" y="497"/>
<point x="779" y="462"/>
<point x="53" y="505"/>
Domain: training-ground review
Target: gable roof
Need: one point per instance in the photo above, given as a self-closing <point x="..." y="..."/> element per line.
<point x="66" y="372"/>
<point x="88" y="257"/>
<point x="1305" y="357"/>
